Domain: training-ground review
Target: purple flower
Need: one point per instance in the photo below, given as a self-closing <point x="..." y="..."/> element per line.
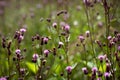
<point x="81" y="38"/>
<point x="69" y="69"/>
<point x="46" y="52"/>
<point x="22" y="30"/>
<point x="94" y="69"/>
<point x="119" y="48"/>
<point x="17" y="51"/>
<point x="54" y="25"/>
<point x="45" y="40"/>
<point x="101" y="57"/>
<point x="35" y="57"/>
<point x="107" y="74"/>
<point x="99" y="78"/>
<point x="87" y="33"/>
<point x="109" y="37"/>
<point x="84" y="69"/>
<point x="3" y="78"/>
<point x="67" y="27"/>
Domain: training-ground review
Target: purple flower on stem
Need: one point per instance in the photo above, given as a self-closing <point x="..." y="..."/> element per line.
<point x="107" y="74"/>
<point x="101" y="58"/>
<point x="85" y="71"/>
<point x="46" y="52"/>
<point x="118" y="48"/>
<point x="60" y="44"/>
<point x="87" y="33"/>
<point x="67" y="28"/>
<point x="69" y="69"/>
<point x="45" y="40"/>
<point x="35" y="57"/>
<point x="54" y="25"/>
<point x="81" y="38"/>
<point x="22" y="30"/>
<point x="17" y="51"/>
<point x="94" y="69"/>
<point x="3" y="78"/>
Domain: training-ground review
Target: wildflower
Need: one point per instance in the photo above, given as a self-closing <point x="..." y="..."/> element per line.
<point x="81" y="38"/>
<point x="109" y="37"/>
<point x="106" y="75"/>
<point x="67" y="28"/>
<point x="99" y="78"/>
<point x="85" y="71"/>
<point x="35" y="57"/>
<point x="87" y="33"/>
<point x="94" y="69"/>
<point x="69" y="69"/>
<point x="46" y="52"/>
<point x="3" y="78"/>
<point x="22" y="30"/>
<point x="118" y="48"/>
<point x="45" y="40"/>
<point x="54" y="25"/>
<point x="60" y="44"/>
<point x="101" y="57"/>
<point x="17" y="51"/>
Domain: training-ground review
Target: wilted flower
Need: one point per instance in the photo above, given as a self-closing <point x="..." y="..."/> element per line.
<point x="85" y="71"/>
<point x="69" y="69"/>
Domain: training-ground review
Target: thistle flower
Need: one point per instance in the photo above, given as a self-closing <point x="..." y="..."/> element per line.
<point x="106" y="74"/>
<point x="118" y="48"/>
<point x="101" y="57"/>
<point x="45" y="40"/>
<point x="46" y="52"/>
<point x="87" y="33"/>
<point x="94" y="69"/>
<point x="3" y="78"/>
<point x="67" y="28"/>
<point x="69" y="69"/>
<point x="81" y="38"/>
<point x="17" y="51"/>
<point x="35" y="57"/>
<point x="54" y="25"/>
<point x="22" y="30"/>
<point x="85" y="71"/>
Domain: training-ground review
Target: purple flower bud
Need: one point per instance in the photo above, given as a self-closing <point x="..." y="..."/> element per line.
<point x="99" y="78"/>
<point x="17" y="51"/>
<point x="101" y="57"/>
<point x="35" y="57"/>
<point x="109" y="37"/>
<point x="87" y="33"/>
<point x="85" y="71"/>
<point x="45" y="40"/>
<point x="118" y="48"/>
<point x="54" y="25"/>
<point x="3" y="78"/>
<point x="46" y="52"/>
<point x="69" y="69"/>
<point x="107" y="74"/>
<point x="94" y="69"/>
<point x="22" y="30"/>
<point x="67" y="27"/>
<point x="81" y="38"/>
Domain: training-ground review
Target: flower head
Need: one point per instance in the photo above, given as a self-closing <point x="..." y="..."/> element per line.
<point x="46" y="52"/>
<point x="67" y="28"/>
<point x="35" y="57"/>
<point x="69" y="69"/>
<point x="94" y="69"/>
<point x="17" y="51"/>
<point x="101" y="57"/>
<point x="85" y="71"/>
<point x="54" y="25"/>
<point x="3" y="78"/>
<point x="45" y="40"/>
<point x="81" y="38"/>
<point x="22" y="30"/>
<point x="118" y="48"/>
<point x="106" y="74"/>
<point x="87" y="33"/>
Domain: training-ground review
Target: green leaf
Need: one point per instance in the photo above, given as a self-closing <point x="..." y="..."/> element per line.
<point x="33" y="67"/>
